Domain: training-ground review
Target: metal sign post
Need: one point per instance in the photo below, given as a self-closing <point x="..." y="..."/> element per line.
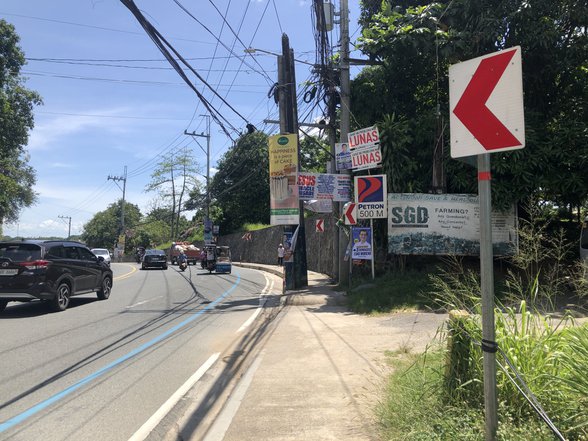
<point x="487" y="116"/>
<point x="487" y="286"/>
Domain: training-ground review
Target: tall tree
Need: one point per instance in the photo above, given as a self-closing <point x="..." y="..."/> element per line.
<point x="102" y="230"/>
<point x="418" y="43"/>
<point x="17" y="177"/>
<point x="173" y="179"/>
<point x="240" y="187"/>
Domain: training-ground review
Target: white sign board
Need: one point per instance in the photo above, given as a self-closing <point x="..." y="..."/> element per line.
<point x="363" y="138"/>
<point x="486" y="104"/>
<point x="366" y="157"/>
<point x="445" y="224"/>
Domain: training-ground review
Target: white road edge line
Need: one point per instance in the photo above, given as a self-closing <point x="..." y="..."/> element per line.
<point x="220" y="426"/>
<point x="251" y="319"/>
<point x="156" y="418"/>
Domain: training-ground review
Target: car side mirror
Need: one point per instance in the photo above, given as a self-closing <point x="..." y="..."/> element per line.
<point x="100" y="259"/>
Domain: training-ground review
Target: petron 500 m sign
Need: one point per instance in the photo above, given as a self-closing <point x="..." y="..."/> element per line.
<point x="370" y="196"/>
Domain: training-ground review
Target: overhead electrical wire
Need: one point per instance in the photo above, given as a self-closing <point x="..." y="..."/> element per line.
<point x="161" y="43"/>
<point x="95" y="27"/>
<point x="238" y="38"/>
<point x="211" y="33"/>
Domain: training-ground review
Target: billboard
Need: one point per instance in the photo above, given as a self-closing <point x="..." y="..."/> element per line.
<point x="283" y="168"/>
<point x="445" y="224"/>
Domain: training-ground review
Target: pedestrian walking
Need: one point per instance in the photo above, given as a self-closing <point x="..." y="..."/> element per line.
<point x="281" y="252"/>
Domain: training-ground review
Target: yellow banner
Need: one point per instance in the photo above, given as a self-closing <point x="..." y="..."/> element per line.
<point x="283" y="168"/>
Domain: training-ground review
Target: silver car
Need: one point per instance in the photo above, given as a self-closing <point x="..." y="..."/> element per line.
<point x="102" y="252"/>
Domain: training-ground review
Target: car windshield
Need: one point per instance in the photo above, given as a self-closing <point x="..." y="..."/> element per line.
<point x="20" y="252"/>
<point x="100" y="252"/>
<point x="156" y="252"/>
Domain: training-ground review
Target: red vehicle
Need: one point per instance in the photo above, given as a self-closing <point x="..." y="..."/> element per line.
<point x="192" y="252"/>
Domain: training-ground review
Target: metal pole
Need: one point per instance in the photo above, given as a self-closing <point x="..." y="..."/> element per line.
<point x="487" y="281"/>
<point x="207" y="167"/>
<point x="373" y="251"/>
<point x="344" y="267"/>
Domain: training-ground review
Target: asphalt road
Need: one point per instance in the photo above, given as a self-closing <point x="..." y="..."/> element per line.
<point x="107" y="370"/>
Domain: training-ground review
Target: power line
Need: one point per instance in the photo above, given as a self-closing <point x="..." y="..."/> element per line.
<point x="161" y="43"/>
<point x="214" y="36"/>
<point x="95" y="27"/>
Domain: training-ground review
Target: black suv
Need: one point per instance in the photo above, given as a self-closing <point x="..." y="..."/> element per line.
<point x="50" y="270"/>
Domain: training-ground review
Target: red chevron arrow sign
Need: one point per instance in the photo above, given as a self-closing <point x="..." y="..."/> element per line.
<point x="486" y="102"/>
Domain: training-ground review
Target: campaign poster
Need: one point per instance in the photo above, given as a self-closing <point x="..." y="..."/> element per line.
<point x="445" y="224"/>
<point x="362" y="243"/>
<point x="288" y="247"/>
<point x="283" y="168"/>
<point x="342" y="156"/>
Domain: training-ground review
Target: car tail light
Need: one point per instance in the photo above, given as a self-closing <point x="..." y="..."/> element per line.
<point x="35" y="264"/>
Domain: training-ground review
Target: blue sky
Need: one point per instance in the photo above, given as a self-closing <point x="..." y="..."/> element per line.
<point x="110" y="99"/>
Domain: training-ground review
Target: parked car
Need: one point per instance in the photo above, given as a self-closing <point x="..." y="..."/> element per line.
<point x="154" y="258"/>
<point x="52" y="271"/>
<point x="104" y="253"/>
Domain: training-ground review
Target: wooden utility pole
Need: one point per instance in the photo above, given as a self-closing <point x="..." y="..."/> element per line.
<point x="298" y="272"/>
<point x="69" y="224"/>
<point x="344" y="129"/>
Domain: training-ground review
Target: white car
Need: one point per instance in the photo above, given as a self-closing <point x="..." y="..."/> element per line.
<point x="102" y="252"/>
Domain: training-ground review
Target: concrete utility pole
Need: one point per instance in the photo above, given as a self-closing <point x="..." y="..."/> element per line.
<point x="344" y="128"/>
<point x="289" y="114"/>
<point x="124" y="188"/>
<point x="69" y="224"/>
<point x="207" y="152"/>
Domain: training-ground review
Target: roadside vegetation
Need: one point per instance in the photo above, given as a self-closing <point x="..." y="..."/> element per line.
<point x="541" y="331"/>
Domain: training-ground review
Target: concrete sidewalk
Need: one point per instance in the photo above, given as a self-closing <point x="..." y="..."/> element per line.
<point x="321" y="372"/>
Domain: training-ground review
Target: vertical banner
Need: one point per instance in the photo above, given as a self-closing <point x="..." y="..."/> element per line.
<point x="283" y="168"/>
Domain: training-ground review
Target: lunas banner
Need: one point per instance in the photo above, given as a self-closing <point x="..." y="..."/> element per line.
<point x="445" y="224"/>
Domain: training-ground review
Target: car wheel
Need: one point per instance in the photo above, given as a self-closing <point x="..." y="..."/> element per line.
<point x="105" y="289"/>
<point x="143" y="267"/>
<point x="164" y="267"/>
<point x="3" y="304"/>
<point x="61" y="300"/>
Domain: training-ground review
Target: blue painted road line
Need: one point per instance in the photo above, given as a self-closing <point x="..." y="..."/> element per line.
<point x="60" y="395"/>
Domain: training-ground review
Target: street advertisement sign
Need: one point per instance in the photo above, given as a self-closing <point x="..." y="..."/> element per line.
<point x="445" y="224"/>
<point x="342" y="156"/>
<point x="370" y="197"/>
<point x="283" y="168"/>
<point x="366" y="157"/>
<point x="312" y="186"/>
<point x="365" y="148"/>
<point x="363" y="138"/>
<point x="362" y="243"/>
<point x="486" y="102"/>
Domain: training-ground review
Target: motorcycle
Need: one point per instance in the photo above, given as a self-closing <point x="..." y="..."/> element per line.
<point x="183" y="265"/>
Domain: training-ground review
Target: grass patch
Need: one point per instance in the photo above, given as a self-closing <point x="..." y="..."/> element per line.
<point x="415" y="409"/>
<point x="391" y="292"/>
<point x="253" y="227"/>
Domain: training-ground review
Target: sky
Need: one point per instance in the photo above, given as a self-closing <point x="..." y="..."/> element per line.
<point x="111" y="100"/>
